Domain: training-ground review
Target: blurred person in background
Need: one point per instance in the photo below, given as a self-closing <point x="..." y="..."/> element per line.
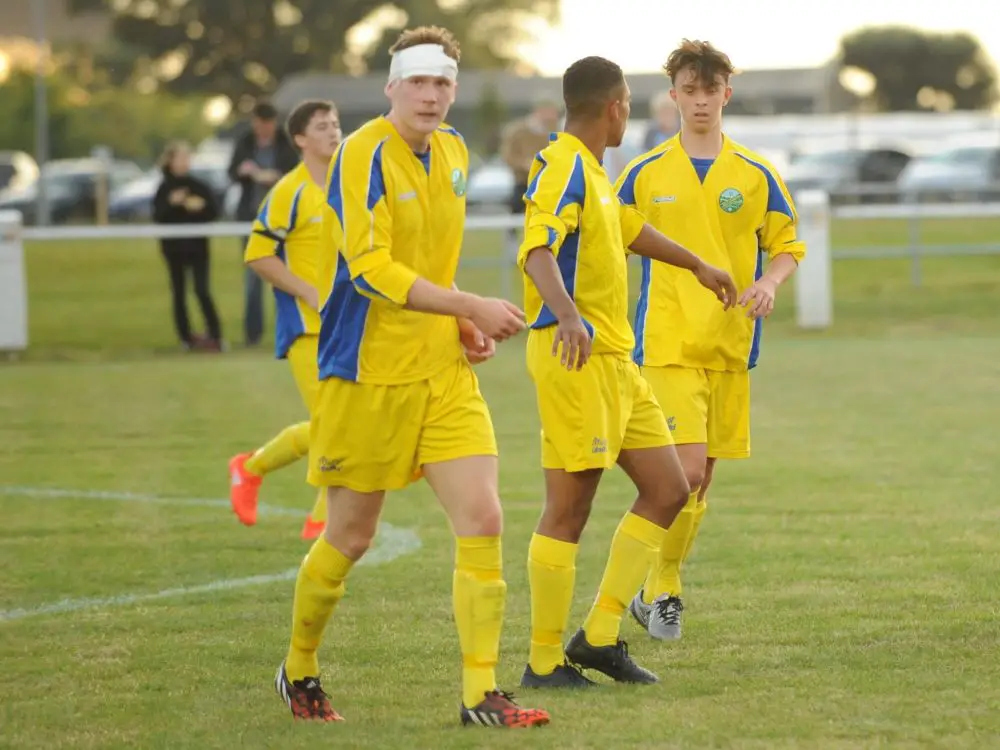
<point x="524" y="138"/>
<point x="183" y="199"/>
<point x="664" y="123"/>
<point x="260" y="158"/>
<point x="284" y="250"/>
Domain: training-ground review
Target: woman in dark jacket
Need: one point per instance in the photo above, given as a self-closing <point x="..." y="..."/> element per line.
<point x="182" y="199"/>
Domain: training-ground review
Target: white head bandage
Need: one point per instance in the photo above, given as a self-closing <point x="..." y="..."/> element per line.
<point x="422" y="60"/>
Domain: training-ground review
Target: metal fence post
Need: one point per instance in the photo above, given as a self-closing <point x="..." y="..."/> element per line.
<point x="13" y="285"/>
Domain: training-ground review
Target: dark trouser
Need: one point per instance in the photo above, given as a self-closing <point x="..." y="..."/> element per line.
<point x="179" y="261"/>
<point x="253" y="305"/>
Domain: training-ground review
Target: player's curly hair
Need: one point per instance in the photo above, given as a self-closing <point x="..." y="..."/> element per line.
<point x="706" y="61"/>
<point x="429" y="35"/>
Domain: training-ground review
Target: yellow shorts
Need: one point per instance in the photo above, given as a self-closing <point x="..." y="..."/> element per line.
<point x="591" y="415"/>
<point x="369" y="437"/>
<point x="705" y="406"/>
<point x="302" y="357"/>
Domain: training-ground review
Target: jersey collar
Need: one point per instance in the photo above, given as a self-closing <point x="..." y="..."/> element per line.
<point x="575" y="144"/>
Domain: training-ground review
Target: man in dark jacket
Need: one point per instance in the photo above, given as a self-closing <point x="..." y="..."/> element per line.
<point x="261" y="157"/>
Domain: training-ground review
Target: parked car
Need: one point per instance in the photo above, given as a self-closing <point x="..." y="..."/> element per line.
<point x="70" y="187"/>
<point x="957" y="173"/>
<point x="133" y="200"/>
<point x="846" y="173"/>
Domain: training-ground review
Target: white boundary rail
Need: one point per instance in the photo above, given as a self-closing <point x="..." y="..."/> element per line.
<point x="814" y="293"/>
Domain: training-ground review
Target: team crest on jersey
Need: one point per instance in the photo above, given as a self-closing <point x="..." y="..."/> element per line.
<point x="731" y="200"/>
<point x="458" y="182"/>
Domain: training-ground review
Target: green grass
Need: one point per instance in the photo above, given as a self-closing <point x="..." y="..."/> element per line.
<point x="842" y="595"/>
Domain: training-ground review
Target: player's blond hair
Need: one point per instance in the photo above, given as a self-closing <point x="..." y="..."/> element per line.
<point x="428" y="35"/>
<point x="706" y="61"/>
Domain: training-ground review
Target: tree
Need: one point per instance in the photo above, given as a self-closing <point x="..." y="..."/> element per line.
<point x="134" y="125"/>
<point x="915" y="70"/>
<point x="243" y="48"/>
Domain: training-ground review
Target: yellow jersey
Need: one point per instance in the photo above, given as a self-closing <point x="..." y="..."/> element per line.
<point x="396" y="216"/>
<point x="289" y="225"/>
<point x="571" y="208"/>
<point x="731" y="211"/>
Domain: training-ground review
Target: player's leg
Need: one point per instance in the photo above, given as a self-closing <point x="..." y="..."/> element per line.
<point x="728" y="436"/>
<point x="552" y="554"/>
<point x="683" y="393"/>
<point x="247" y="470"/>
<point x="583" y="415"/>
<point x="320" y="585"/>
<point x="458" y="456"/>
<point x="359" y="464"/>
<point x="648" y="458"/>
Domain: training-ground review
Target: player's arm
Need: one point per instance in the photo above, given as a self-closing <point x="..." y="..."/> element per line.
<point x="554" y="199"/>
<point x="643" y="239"/>
<point x="778" y="237"/>
<point x="357" y="196"/>
<point x="271" y="229"/>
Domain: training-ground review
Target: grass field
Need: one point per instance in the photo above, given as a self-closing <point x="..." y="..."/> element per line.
<point x="842" y="594"/>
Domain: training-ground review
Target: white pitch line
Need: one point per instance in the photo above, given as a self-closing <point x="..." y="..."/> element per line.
<point x="391" y="543"/>
<point x="57" y="493"/>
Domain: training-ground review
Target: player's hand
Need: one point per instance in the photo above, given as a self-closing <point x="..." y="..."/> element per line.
<point x="497" y="318"/>
<point x="178" y="196"/>
<point x="311" y="298"/>
<point x="574" y="338"/>
<point x="718" y="282"/>
<point x="478" y="346"/>
<point x="759" y="298"/>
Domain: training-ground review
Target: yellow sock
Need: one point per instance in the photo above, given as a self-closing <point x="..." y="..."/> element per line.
<point x="478" y="597"/>
<point x="635" y="540"/>
<point x="551" y="575"/>
<point x="665" y="567"/>
<point x="287" y="447"/>
<point x="318" y="588"/>
<point x="699" y="512"/>
<point x="318" y="513"/>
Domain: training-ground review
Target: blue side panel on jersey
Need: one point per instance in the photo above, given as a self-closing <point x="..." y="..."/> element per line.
<point x="627" y="191"/>
<point x="639" y="352"/>
<point x="576" y="188"/>
<point x="343" y="328"/>
<point x="776" y="200"/>
<point x="567" y="261"/>
<point x="758" y="325"/>
<point x="288" y="318"/>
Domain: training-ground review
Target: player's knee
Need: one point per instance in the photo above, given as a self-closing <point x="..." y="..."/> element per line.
<point x="565" y="521"/>
<point x="353" y="540"/>
<point x="481" y="515"/>
<point x="695" y="476"/>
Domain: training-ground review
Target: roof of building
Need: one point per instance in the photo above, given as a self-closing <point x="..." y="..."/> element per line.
<point x="365" y="93"/>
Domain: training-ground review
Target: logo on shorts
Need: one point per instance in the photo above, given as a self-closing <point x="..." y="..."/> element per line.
<point x="458" y="182"/>
<point x="330" y="464"/>
<point x="599" y="445"/>
<point x="731" y="200"/>
<point x="671" y="423"/>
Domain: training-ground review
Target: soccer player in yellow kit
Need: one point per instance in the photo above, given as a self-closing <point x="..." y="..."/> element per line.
<point x="731" y="204"/>
<point x="284" y="250"/>
<point x="398" y="398"/>
<point x="596" y="409"/>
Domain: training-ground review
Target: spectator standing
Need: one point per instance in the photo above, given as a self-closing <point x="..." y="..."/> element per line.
<point x="261" y="157"/>
<point x="664" y="122"/>
<point x="521" y="140"/>
<point x="183" y="199"/>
